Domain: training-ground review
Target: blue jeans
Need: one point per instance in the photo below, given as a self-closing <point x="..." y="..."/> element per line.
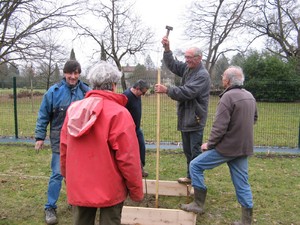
<point x="238" y="167"/>
<point x="55" y="181"/>
<point x="191" y="144"/>
<point x="140" y="137"/>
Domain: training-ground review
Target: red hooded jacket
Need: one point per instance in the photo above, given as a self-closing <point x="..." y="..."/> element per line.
<point x="99" y="152"/>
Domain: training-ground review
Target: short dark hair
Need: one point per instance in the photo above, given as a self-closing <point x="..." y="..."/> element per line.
<point x="71" y="66"/>
<point x="141" y="84"/>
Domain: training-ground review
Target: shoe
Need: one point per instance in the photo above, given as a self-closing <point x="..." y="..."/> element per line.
<point x="50" y="216"/>
<point x="69" y="207"/>
<point x="144" y="173"/>
<point x="184" y="180"/>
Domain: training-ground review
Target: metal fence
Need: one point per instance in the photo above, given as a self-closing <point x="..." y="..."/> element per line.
<point x="278" y="124"/>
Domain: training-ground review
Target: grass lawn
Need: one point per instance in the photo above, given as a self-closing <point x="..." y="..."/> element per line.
<point x="275" y="181"/>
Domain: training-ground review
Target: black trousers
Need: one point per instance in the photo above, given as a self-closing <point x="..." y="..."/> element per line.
<point x="108" y="215"/>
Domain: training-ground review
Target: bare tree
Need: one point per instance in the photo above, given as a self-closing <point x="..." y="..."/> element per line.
<point x="279" y="21"/>
<point x="122" y="34"/>
<point x="22" y="20"/>
<point x="50" y="54"/>
<point x="149" y="64"/>
<point x="215" y="24"/>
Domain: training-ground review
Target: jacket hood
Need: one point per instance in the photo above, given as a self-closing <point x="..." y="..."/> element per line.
<point x="83" y="114"/>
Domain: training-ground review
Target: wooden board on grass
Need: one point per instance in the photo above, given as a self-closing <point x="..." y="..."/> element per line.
<point x="167" y="188"/>
<point x="156" y="216"/>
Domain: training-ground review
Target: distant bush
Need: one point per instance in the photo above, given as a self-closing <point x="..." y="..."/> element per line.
<point x="270" y="78"/>
<point x="26" y="94"/>
<point x="274" y="91"/>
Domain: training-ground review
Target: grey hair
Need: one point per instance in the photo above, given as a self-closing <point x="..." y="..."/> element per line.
<point x="103" y="75"/>
<point x="235" y="75"/>
<point x="197" y="51"/>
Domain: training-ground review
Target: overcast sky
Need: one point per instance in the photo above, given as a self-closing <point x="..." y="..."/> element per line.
<point x="155" y="14"/>
<point x="160" y="13"/>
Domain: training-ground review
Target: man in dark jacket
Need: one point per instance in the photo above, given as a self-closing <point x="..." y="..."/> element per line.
<point x="53" y="110"/>
<point x="192" y="99"/>
<point x="231" y="142"/>
<point x="134" y="106"/>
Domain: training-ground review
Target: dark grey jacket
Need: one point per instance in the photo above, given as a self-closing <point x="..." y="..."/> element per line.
<point x="232" y="130"/>
<point x="192" y="95"/>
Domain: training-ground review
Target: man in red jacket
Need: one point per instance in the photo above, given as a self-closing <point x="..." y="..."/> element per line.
<point x="100" y="157"/>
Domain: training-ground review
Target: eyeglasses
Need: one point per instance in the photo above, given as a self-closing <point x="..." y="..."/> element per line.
<point x="190" y="57"/>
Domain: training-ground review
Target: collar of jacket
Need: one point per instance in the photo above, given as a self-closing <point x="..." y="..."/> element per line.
<point x="230" y="88"/>
<point x="116" y="97"/>
<point x="64" y="82"/>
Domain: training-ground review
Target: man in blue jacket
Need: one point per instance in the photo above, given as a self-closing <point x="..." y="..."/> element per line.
<point x="53" y="110"/>
<point x="192" y="97"/>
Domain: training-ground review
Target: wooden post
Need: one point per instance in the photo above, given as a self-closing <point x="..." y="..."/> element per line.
<point x="157" y="140"/>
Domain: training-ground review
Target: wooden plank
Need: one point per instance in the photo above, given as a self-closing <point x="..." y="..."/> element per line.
<point x="167" y="188"/>
<point x="156" y="216"/>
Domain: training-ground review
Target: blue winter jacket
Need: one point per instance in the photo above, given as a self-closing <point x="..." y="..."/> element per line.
<point x="53" y="110"/>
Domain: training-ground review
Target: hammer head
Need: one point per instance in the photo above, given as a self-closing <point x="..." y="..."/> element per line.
<point x="169" y="28"/>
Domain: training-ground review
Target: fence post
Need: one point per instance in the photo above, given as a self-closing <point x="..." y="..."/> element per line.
<point x="15" y="107"/>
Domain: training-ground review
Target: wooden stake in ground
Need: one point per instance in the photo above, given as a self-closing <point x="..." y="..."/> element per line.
<point x="157" y="140"/>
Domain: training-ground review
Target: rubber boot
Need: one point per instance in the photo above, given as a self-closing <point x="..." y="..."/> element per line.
<point x="197" y="206"/>
<point x="246" y="217"/>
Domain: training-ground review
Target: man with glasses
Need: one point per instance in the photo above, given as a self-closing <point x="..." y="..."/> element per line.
<point x="134" y="106"/>
<point x="192" y="97"/>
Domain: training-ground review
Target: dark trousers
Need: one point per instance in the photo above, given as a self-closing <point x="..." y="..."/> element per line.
<point x="108" y="215"/>
<point x="140" y="137"/>
<point x="191" y="143"/>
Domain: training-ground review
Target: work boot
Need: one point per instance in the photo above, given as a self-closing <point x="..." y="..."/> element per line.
<point x="50" y="216"/>
<point x="184" y="180"/>
<point x="197" y="206"/>
<point x="144" y="173"/>
<point x="247" y="214"/>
